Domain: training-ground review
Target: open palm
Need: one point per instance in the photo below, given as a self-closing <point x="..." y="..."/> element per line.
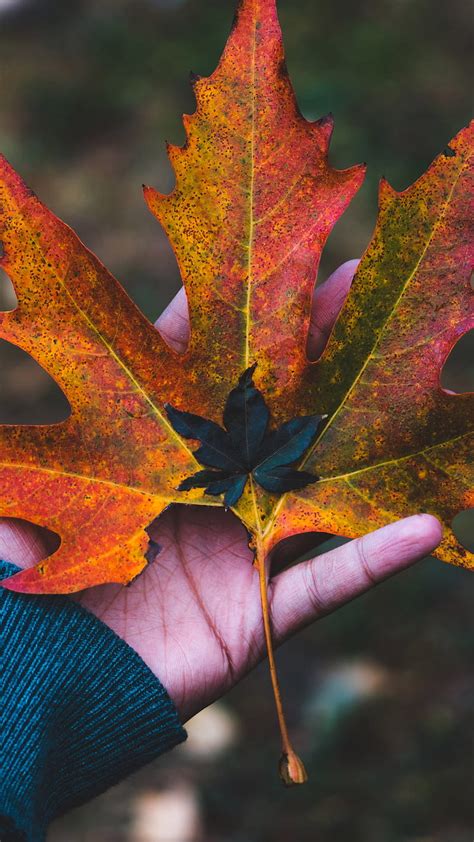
<point x="194" y="615"/>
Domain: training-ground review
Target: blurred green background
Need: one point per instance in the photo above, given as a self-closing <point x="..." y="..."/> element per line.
<point x="380" y="695"/>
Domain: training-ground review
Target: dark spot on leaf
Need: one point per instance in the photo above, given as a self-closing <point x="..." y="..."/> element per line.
<point x="154" y="549"/>
<point x="283" y="69"/>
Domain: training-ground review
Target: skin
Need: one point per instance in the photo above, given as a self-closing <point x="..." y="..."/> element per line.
<point x="194" y="615"/>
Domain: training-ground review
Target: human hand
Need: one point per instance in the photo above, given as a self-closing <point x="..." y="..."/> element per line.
<point x="194" y="615"/>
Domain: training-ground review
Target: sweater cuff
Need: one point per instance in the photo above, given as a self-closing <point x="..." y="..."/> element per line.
<point x="80" y="710"/>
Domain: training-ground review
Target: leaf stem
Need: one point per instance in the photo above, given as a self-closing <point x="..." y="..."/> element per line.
<point x="291" y="768"/>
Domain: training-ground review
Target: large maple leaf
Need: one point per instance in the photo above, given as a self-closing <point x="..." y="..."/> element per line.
<point x="254" y="201"/>
<point x="395" y="442"/>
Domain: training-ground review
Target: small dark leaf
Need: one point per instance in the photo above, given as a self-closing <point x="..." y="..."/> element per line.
<point x="232" y="488"/>
<point x="202" y="478"/>
<point x="246" y="446"/>
<point x="191" y="426"/>
<point x="235" y="491"/>
<point x="288" y="444"/>
<point x="214" y="456"/>
<point x="276" y="438"/>
<point x="216" y="450"/>
<point x="246" y="417"/>
<point x="278" y="480"/>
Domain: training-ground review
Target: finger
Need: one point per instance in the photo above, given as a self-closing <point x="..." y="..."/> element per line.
<point x="315" y="588"/>
<point x="173" y="323"/>
<point x="327" y="302"/>
<point x="24" y="544"/>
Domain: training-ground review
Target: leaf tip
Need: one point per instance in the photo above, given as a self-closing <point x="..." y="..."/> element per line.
<point x="194" y="78"/>
<point x="152" y="197"/>
<point x="326" y="120"/>
<point x="247" y="376"/>
<point x="385" y="189"/>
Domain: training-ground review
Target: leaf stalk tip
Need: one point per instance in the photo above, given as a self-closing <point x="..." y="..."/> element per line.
<point x="291" y="769"/>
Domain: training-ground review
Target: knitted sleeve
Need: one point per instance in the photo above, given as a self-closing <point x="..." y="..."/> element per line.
<point x="80" y="711"/>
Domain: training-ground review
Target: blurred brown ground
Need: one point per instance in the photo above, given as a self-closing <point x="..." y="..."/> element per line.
<point x="380" y="695"/>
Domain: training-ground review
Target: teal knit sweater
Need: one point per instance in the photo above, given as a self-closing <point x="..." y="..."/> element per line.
<point x="80" y="711"/>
